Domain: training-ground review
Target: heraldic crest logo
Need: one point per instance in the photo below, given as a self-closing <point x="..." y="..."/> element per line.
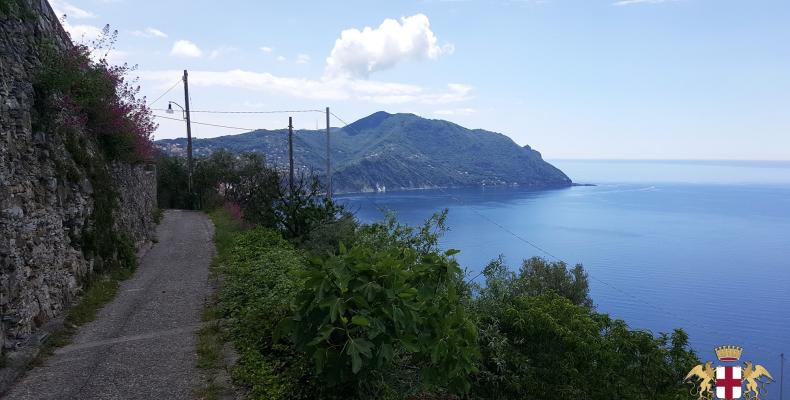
<point x="729" y="381"/>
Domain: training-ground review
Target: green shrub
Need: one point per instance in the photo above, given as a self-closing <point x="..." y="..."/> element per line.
<point x="537" y="277"/>
<point x="390" y="317"/>
<point x="172" y="182"/>
<point x="538" y="344"/>
<point x="367" y="308"/>
<point x="260" y="280"/>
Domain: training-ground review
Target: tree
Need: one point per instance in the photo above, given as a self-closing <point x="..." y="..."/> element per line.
<point x="171" y="182"/>
<point x="538" y="276"/>
<point x="540" y="339"/>
<point x="306" y="209"/>
<point x="210" y="177"/>
<point x="255" y="187"/>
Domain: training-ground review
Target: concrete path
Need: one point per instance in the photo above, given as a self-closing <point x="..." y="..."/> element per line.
<point x="142" y="344"/>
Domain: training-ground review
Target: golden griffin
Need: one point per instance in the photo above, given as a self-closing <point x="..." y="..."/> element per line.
<point x="728" y="382"/>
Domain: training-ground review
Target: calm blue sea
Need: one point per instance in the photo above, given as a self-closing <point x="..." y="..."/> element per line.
<point x="699" y="245"/>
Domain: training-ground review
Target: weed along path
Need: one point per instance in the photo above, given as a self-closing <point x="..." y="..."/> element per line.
<point x="142" y="344"/>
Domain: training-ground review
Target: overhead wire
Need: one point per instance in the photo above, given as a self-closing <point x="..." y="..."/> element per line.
<point x="246" y="112"/>
<point x="208" y="124"/>
<point x="166" y="92"/>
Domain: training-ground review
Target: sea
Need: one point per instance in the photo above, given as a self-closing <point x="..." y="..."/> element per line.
<point x="698" y="245"/>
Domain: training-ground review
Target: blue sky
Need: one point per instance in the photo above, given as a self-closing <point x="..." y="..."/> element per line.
<point x="592" y="79"/>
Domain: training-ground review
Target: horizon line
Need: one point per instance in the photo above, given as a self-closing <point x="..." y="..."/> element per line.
<point x="668" y="159"/>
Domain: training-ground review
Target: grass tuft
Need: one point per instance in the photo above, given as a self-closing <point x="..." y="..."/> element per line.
<point x="98" y="292"/>
<point x="211" y="337"/>
<point x="158" y="213"/>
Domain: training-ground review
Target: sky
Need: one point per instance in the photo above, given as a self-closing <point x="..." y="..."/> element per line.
<point x="574" y="79"/>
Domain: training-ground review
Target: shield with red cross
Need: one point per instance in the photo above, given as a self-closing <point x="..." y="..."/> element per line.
<point x="728" y="382"/>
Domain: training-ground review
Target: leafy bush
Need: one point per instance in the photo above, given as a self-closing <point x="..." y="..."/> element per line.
<point x="253" y="185"/>
<point x="306" y="217"/>
<point x="76" y="91"/>
<point x="305" y="210"/>
<point x="392" y="234"/>
<point x="172" y="182"/>
<point x="390" y="317"/>
<point x="536" y="343"/>
<point x="537" y="277"/>
<point x="367" y="308"/>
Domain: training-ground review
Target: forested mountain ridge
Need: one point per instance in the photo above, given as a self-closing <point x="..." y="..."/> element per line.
<point x="396" y="151"/>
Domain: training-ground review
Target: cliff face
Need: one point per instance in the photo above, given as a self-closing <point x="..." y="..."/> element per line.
<point x="47" y="201"/>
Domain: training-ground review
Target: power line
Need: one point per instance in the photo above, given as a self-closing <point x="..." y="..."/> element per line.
<point x="166" y="92"/>
<point x="247" y="112"/>
<point x="228" y="112"/>
<point x="208" y="124"/>
<point x="341" y="120"/>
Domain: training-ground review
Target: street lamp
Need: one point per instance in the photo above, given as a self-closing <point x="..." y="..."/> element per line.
<point x="170" y="109"/>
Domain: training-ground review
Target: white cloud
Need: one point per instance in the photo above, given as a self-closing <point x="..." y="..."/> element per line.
<point x="185" y="48"/>
<point x="117" y="56"/>
<point x="355" y="56"/>
<point x="456" y="111"/>
<point x="302" y="59"/>
<point x="338" y="88"/>
<point x="631" y="2"/>
<point x="64" y="8"/>
<point x="150" y="33"/>
<point x="359" y="53"/>
<point x="82" y="33"/>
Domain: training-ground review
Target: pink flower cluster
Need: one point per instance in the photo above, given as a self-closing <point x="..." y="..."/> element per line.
<point x="100" y="99"/>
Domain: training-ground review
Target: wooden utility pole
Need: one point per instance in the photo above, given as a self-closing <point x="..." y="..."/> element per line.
<point x="291" y="154"/>
<point x="328" y="162"/>
<point x="189" y="139"/>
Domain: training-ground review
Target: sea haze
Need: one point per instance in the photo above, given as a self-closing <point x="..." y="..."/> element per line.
<point x="698" y="245"/>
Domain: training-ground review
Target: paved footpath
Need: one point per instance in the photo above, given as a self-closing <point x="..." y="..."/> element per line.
<point x="142" y="344"/>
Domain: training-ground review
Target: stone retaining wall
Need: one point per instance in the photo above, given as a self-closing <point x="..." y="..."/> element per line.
<point x="43" y="211"/>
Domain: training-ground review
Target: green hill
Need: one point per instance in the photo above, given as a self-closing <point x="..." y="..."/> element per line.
<point x="396" y="151"/>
